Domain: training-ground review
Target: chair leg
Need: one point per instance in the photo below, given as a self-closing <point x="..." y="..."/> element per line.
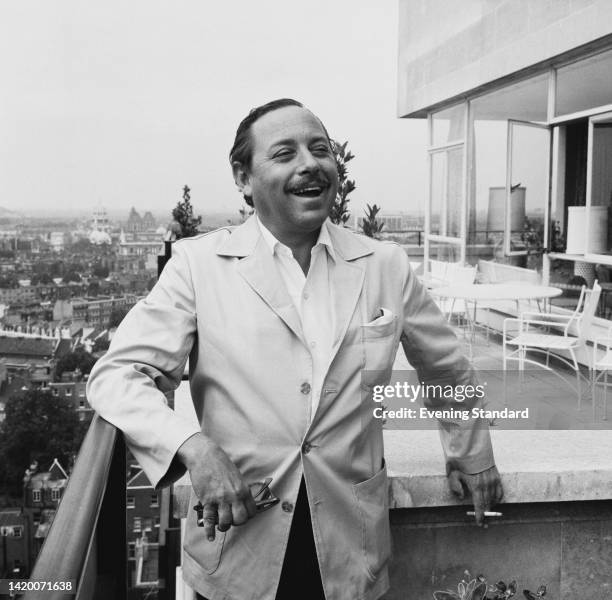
<point x="605" y="400"/>
<point x="577" y="370"/>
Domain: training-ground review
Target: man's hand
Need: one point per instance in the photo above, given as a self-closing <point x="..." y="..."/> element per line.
<point x="217" y="483"/>
<point x="486" y="489"/>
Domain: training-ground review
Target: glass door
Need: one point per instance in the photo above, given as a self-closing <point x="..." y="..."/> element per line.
<point x="599" y="189"/>
<point x="527" y="188"/>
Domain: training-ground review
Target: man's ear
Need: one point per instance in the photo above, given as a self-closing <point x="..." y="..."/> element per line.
<point x="242" y="179"/>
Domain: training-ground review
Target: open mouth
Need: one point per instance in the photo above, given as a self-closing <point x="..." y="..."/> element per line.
<point x="310" y="191"/>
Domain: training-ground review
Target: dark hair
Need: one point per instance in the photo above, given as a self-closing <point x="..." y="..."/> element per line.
<point x="242" y="150"/>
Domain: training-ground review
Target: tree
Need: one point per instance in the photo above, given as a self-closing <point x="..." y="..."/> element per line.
<point x="245" y="213"/>
<point x="100" y="270"/>
<point x="42" y="278"/>
<point x="183" y="215"/>
<point x="79" y="358"/>
<point x="371" y="226"/>
<point x="117" y="315"/>
<point x="37" y="426"/>
<point x="10" y="280"/>
<point x="71" y="276"/>
<point x="339" y="213"/>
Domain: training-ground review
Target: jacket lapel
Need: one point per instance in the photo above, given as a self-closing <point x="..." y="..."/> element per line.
<point x="348" y="279"/>
<point x="258" y="269"/>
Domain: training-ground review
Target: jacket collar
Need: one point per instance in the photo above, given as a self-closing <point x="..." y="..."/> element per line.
<point x="244" y="239"/>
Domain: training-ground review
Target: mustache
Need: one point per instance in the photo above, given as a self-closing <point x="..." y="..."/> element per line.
<point x="320" y="181"/>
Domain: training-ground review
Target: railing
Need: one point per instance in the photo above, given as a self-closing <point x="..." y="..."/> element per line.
<point x="87" y="540"/>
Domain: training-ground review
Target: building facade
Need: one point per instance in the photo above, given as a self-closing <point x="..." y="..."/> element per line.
<point x="518" y="100"/>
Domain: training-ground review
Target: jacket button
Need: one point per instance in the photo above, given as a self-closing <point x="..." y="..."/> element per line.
<point x="305" y="388"/>
<point x="287" y="506"/>
<point x="306" y="447"/>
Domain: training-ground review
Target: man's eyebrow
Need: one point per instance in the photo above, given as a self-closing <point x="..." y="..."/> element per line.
<point x="292" y="142"/>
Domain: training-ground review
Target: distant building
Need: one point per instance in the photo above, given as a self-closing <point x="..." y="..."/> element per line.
<point x="73" y="392"/>
<point x="137" y="224"/>
<point x="15" y="543"/>
<point x="95" y="311"/>
<point x="143" y="526"/>
<point x="42" y="493"/>
<point x="58" y="240"/>
<point x="99" y="220"/>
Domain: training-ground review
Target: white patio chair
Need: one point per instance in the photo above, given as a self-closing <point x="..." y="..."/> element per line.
<point x="452" y="307"/>
<point x="602" y="366"/>
<point x="546" y="333"/>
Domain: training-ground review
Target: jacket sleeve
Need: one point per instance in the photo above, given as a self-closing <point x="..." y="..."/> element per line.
<point x="433" y="349"/>
<point x="146" y="359"/>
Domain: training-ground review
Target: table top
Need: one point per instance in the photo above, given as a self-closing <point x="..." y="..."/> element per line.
<point x="497" y="291"/>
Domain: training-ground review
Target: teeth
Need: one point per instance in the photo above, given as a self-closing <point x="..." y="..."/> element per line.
<point x="309" y="189"/>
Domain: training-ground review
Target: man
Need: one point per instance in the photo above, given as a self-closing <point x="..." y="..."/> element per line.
<point x="287" y="320"/>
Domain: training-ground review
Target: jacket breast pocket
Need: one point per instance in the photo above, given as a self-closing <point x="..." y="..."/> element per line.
<point x="380" y="342"/>
<point x="372" y="497"/>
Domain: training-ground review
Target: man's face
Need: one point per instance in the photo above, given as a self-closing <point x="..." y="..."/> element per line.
<point x="293" y="176"/>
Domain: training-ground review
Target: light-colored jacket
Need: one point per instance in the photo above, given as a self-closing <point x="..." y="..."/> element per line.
<point x="221" y="302"/>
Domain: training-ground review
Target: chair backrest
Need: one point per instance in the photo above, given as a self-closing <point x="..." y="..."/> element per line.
<point x="437" y="269"/>
<point x="495" y="272"/>
<point x="582" y="318"/>
<point x="461" y="275"/>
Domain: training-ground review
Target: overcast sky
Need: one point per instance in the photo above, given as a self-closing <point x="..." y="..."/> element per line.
<point x="122" y="103"/>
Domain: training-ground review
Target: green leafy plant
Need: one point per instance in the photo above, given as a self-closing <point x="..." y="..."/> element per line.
<point x="183" y="216"/>
<point x="477" y="588"/>
<point x="245" y="212"/>
<point x="467" y="589"/>
<point x="371" y="226"/>
<point x="339" y="212"/>
<point x="540" y="593"/>
<point x="501" y="591"/>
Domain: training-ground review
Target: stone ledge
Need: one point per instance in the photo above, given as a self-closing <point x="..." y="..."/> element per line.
<point x="536" y="466"/>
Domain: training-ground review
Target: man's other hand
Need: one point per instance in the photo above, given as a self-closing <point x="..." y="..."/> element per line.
<point x="217" y="483"/>
<point x="485" y="488"/>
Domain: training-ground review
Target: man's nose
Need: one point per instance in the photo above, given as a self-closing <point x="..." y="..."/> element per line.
<point x="308" y="162"/>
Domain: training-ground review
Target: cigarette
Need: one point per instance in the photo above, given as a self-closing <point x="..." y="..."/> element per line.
<point x="487" y="513"/>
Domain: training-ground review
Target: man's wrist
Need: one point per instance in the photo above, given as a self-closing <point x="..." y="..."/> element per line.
<point x="193" y="449"/>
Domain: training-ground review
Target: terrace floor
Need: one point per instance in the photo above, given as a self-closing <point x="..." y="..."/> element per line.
<point x="551" y="396"/>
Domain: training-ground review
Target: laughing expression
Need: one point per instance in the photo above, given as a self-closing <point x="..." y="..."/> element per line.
<point x="293" y="177"/>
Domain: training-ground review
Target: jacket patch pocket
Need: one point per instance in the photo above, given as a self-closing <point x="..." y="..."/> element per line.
<point x="206" y="554"/>
<point x="380" y="343"/>
<point x="372" y="498"/>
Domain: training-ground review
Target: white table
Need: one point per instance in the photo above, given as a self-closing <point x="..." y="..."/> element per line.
<point x="480" y="292"/>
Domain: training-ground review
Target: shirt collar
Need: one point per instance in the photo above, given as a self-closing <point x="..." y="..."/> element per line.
<point x="324" y="239"/>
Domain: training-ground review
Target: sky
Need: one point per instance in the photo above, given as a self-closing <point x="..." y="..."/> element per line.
<point x="123" y="103"/>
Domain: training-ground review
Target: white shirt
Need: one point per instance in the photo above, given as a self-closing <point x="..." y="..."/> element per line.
<point x="312" y="296"/>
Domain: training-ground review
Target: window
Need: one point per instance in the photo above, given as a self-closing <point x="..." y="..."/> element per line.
<point x="154" y="501"/>
<point x="446" y="192"/>
<point x="156" y="521"/>
<point x="132" y="550"/>
<point x="137" y="524"/>
<point x="55" y="392"/>
<point x="36" y="496"/>
<point x="56" y="495"/>
<point x="68" y="392"/>
<point x="17" y="531"/>
<point x="584" y="84"/>
<point x="130" y="502"/>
